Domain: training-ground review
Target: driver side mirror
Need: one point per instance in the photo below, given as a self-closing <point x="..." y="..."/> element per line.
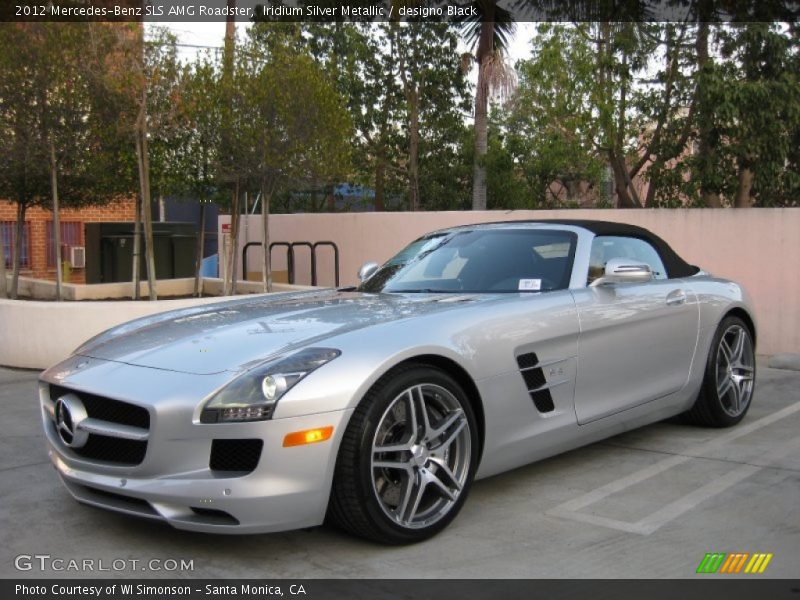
<point x="367" y="270"/>
<point x="624" y="270"/>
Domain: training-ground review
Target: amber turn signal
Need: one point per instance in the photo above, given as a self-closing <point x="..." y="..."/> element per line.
<point x="309" y="436"/>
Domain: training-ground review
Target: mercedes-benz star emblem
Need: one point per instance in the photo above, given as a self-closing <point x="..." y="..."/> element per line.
<point x="69" y="414"/>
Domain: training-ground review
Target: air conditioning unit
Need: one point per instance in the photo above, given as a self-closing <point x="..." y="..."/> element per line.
<point x="77" y="257"/>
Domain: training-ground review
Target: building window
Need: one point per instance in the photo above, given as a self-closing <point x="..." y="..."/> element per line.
<point x="8" y="236"/>
<point x="70" y="236"/>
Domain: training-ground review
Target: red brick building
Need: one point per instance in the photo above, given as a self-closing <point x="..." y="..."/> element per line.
<point x="38" y="254"/>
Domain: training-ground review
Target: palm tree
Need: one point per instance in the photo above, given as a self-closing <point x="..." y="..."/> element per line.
<point x="488" y="34"/>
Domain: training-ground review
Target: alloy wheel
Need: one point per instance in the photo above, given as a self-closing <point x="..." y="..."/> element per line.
<point x="735" y="370"/>
<point x="421" y="456"/>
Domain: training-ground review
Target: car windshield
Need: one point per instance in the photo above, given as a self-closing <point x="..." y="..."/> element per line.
<point x="479" y="260"/>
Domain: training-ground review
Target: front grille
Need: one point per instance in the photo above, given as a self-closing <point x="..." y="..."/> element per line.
<point x="109" y="449"/>
<point x="113" y="450"/>
<point x="240" y="456"/>
<point x="107" y="409"/>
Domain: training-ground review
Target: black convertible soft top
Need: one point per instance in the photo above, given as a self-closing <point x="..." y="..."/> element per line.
<point x="674" y="264"/>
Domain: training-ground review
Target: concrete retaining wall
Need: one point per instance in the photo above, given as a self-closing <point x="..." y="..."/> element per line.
<point x="44" y="289"/>
<point x="36" y="334"/>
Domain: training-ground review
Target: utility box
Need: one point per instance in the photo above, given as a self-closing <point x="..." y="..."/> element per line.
<point x="109" y="251"/>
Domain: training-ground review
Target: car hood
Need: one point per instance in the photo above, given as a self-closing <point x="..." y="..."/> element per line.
<point x="234" y="335"/>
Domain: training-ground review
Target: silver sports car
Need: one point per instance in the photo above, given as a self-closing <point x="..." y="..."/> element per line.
<point x="474" y="350"/>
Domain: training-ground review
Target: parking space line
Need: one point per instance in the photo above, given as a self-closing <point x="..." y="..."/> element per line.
<point x="657" y="519"/>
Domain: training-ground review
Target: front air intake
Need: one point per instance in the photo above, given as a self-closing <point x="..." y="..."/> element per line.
<point x="235" y="456"/>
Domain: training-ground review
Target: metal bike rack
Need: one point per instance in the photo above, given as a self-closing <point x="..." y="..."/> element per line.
<point x="335" y="262"/>
<point x="244" y="255"/>
<point x="290" y="257"/>
<point x="310" y="246"/>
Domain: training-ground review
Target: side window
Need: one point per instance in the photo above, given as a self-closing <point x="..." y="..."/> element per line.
<point x="606" y="247"/>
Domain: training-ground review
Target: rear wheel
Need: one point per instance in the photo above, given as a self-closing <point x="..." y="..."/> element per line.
<point x="407" y="459"/>
<point x="729" y="379"/>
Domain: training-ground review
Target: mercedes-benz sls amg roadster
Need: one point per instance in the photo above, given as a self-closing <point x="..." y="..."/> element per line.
<point x="473" y="351"/>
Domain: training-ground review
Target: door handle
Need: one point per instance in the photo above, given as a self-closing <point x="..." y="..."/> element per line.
<point x="676" y="298"/>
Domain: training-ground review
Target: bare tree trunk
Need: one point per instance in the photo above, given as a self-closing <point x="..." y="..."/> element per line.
<point x="380" y="179"/>
<point x="144" y="165"/>
<point x="228" y="258"/>
<point x="573" y="187"/>
<point x="481" y="148"/>
<point x="233" y="248"/>
<point x="227" y="77"/>
<point x="236" y="229"/>
<point x="706" y="144"/>
<point x="230" y="30"/>
<point x="483" y="55"/>
<point x="201" y="241"/>
<point x="56" y="218"/>
<point x="3" y="282"/>
<point x="137" y="241"/>
<point x="742" y="199"/>
<point x="137" y="226"/>
<point x="413" y="152"/>
<point x="655" y="181"/>
<point x="266" y="267"/>
<point x="143" y="217"/>
<point x="381" y="152"/>
<point x="20" y="230"/>
<point x="624" y="199"/>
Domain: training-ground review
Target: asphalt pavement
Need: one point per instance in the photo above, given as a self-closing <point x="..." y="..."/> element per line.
<point x="646" y="504"/>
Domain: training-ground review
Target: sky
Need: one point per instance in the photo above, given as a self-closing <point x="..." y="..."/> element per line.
<point x="211" y="34"/>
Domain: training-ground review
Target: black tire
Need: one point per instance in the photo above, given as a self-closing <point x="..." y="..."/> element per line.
<point x="710" y="409"/>
<point x="354" y="505"/>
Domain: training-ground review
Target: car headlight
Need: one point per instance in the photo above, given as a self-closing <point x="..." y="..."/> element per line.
<point x="253" y="395"/>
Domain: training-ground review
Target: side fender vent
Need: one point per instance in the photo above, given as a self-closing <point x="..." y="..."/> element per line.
<point x="535" y="382"/>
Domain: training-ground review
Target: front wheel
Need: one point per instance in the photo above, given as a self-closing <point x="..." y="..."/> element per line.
<point x="729" y="380"/>
<point x="407" y="458"/>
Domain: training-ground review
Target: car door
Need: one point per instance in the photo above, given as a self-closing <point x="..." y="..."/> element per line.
<point x="636" y="340"/>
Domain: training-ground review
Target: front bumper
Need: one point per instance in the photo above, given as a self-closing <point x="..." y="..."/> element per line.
<point x="288" y="489"/>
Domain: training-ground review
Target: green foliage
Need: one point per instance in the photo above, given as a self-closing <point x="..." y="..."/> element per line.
<point x="678" y="114"/>
<point x="633" y="114"/>
<point x="406" y="98"/>
<point x="758" y="109"/>
<point x="436" y="100"/>
<point x="551" y="128"/>
<point x="288" y="124"/>
<point x="24" y="169"/>
<point x="169" y="130"/>
<point x="198" y="147"/>
<point x="40" y="105"/>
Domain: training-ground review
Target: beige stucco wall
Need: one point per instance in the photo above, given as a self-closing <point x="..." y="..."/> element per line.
<point x="35" y="334"/>
<point x="760" y="248"/>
